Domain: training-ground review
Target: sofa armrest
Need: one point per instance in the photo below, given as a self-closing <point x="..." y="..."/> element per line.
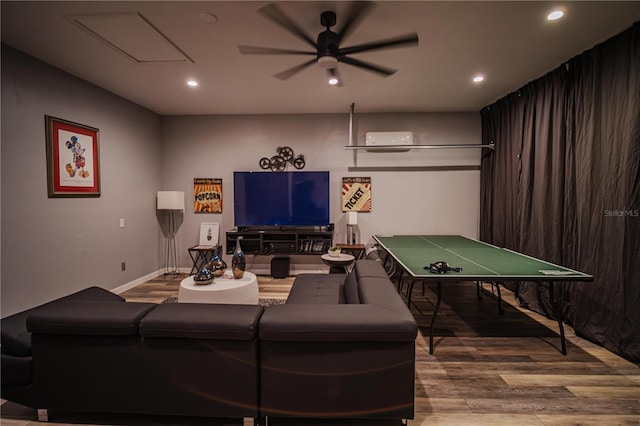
<point x="335" y="323"/>
<point x="74" y="317"/>
<point x="16" y="339"/>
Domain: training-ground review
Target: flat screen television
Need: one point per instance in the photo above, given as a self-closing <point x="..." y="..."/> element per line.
<point x="281" y="198"/>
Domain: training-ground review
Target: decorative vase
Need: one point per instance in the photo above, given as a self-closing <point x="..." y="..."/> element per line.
<point x="238" y="262"/>
<point x="217" y="266"/>
<point x="203" y="277"/>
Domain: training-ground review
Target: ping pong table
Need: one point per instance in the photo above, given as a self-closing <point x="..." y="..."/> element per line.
<point x="479" y="262"/>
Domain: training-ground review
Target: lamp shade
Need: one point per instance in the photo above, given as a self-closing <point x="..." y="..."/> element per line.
<point x="352" y="218"/>
<point x="171" y="200"/>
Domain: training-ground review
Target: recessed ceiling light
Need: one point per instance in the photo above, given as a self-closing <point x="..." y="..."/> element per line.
<point x="192" y="83"/>
<point x="333" y="81"/>
<point x="478" y="78"/>
<point x="555" y="15"/>
<point x="208" y="17"/>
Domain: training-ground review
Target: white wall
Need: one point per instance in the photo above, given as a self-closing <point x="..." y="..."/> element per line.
<point x="54" y="246"/>
<point x="420" y="191"/>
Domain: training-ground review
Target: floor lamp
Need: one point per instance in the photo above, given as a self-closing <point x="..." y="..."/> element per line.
<point x="352" y="221"/>
<point x="172" y="201"/>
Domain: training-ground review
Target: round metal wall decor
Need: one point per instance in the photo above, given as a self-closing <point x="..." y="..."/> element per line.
<point x="279" y="162"/>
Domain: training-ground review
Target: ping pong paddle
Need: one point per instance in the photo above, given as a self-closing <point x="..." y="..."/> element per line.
<point x="441" y="267"/>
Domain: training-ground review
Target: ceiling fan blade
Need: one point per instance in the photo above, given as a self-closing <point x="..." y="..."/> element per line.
<point x="257" y="50"/>
<point x="275" y="14"/>
<point x="405" y="40"/>
<point x="294" y="70"/>
<point x="385" y="72"/>
<point x="357" y="12"/>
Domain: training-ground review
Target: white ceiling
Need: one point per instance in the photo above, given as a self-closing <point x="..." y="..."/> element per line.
<point x="511" y="43"/>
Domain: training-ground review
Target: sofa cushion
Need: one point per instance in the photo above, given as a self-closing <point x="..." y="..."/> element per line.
<point x="202" y="321"/>
<point x="16" y="339"/>
<point x="351" y="289"/>
<point x="89" y="318"/>
<point x="322" y="289"/>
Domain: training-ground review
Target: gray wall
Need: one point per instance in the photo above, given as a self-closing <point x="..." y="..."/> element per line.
<point x="419" y="191"/>
<point x="54" y="246"/>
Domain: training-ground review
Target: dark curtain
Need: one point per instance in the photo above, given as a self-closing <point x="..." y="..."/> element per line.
<point x="563" y="185"/>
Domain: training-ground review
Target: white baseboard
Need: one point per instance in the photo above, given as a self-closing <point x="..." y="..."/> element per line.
<point x="144" y="279"/>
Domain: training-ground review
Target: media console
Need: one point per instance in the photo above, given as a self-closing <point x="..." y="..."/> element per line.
<point x="285" y="240"/>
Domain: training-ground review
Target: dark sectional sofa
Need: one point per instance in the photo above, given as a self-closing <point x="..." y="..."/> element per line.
<point x="342" y="347"/>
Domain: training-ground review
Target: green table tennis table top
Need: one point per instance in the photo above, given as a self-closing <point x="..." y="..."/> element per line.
<point x="479" y="261"/>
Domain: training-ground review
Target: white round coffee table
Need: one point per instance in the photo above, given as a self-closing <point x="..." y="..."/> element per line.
<point x="223" y="289"/>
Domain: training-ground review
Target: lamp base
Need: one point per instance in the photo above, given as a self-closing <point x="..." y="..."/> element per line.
<point x="351" y="234"/>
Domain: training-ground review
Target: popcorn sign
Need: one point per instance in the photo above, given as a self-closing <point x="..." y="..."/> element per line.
<point x="207" y="194"/>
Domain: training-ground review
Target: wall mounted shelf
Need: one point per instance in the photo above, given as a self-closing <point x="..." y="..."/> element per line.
<point x="407" y="148"/>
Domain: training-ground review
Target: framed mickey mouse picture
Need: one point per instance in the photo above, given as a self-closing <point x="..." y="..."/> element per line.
<point x="73" y="168"/>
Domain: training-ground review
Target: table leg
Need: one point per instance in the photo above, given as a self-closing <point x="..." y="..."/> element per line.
<point x="201" y="258"/>
<point x="433" y="317"/>
<point x="500" y="309"/>
<point x="337" y="269"/>
<point x="496" y="284"/>
<point x="558" y="318"/>
<point x="400" y="282"/>
<point x="409" y="291"/>
<point x="195" y="262"/>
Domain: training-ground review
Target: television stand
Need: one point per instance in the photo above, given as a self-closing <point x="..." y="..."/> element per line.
<point x="281" y="240"/>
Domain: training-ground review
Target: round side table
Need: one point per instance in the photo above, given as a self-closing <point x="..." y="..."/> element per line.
<point x="337" y="264"/>
<point x="223" y="289"/>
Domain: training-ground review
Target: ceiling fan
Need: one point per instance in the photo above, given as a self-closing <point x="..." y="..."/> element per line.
<point x="327" y="49"/>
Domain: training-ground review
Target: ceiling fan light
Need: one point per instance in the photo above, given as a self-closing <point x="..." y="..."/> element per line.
<point x="327" y="62"/>
<point x="333" y="77"/>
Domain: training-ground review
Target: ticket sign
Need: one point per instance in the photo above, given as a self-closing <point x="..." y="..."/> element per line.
<point x="356" y="194"/>
<point x="207" y="195"/>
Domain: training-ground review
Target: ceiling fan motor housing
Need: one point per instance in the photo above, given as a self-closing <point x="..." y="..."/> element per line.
<point x="328" y="19"/>
<point x="328" y="49"/>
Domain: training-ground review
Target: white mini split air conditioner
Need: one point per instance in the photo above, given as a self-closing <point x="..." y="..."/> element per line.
<point x="374" y="139"/>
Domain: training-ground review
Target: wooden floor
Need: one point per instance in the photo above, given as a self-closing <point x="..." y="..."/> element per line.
<point x="487" y="369"/>
<point x="162" y="287"/>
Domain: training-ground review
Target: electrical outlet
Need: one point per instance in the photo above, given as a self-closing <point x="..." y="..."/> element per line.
<point x="121" y="223"/>
<point x="123" y="266"/>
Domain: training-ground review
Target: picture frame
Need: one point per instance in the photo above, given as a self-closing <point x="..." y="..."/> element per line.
<point x="73" y="163"/>
<point x="207" y="195"/>
<point x="209" y="234"/>
<point x="356" y="194"/>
